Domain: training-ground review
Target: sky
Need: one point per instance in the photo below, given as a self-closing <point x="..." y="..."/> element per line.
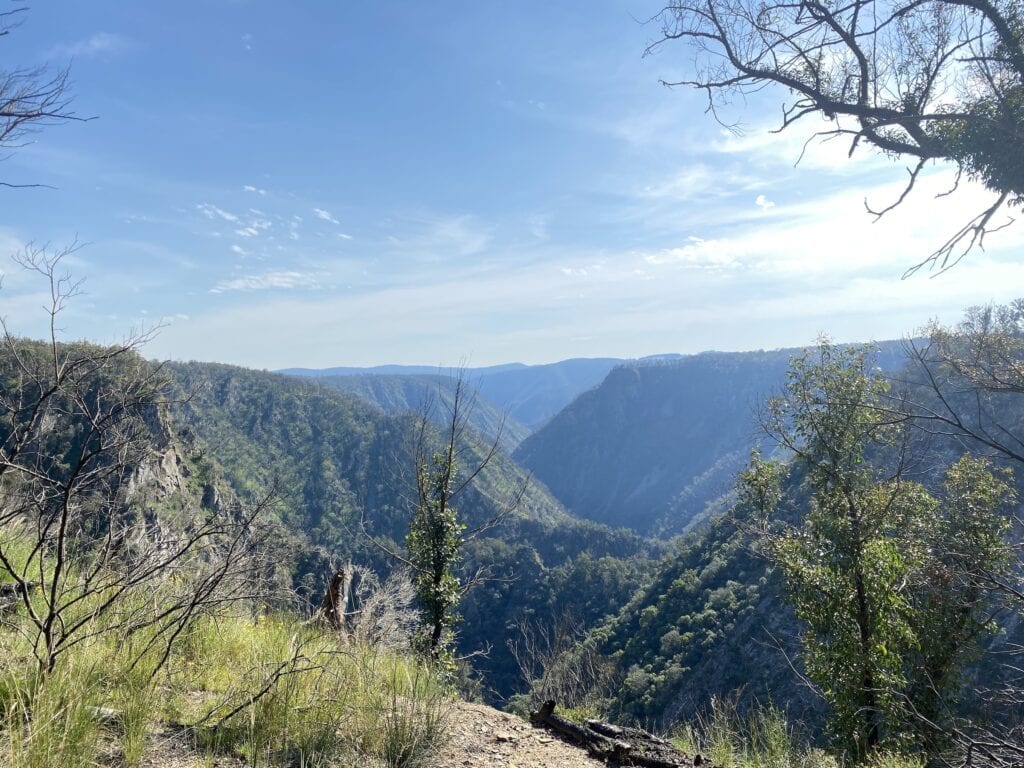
<point x="471" y="181"/>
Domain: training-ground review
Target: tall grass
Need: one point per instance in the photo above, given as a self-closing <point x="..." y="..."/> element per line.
<point x="274" y="690"/>
<point x="271" y="689"/>
<point x="54" y="721"/>
<point x="761" y="737"/>
<point x="268" y="689"/>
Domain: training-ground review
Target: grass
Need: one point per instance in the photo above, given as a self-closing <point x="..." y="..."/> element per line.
<point x="272" y="689"/>
<point x="269" y="689"/>
<point x="763" y="738"/>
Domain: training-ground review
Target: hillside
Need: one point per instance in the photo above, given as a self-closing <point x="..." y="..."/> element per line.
<point x="332" y="456"/>
<point x="656" y="443"/>
<point x="653" y="444"/>
<point x="528" y="394"/>
<point x="335" y="459"/>
<point x="403" y="393"/>
<point x="533" y="394"/>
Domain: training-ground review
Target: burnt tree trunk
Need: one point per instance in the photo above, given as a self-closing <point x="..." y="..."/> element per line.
<point x="616" y="745"/>
<point x="341" y="602"/>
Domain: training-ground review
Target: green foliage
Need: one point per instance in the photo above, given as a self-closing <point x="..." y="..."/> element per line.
<point x="433" y="545"/>
<point x="703" y="625"/>
<point x="879" y="569"/>
<point x="759" y="737"/>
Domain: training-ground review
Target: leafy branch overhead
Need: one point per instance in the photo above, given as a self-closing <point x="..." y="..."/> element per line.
<point x="930" y="80"/>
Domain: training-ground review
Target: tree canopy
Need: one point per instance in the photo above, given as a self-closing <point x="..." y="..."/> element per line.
<point x="930" y="80"/>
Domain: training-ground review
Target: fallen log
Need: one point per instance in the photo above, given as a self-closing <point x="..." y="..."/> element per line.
<point x="615" y="744"/>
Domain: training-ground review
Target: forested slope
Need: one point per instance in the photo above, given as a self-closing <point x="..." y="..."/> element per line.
<point x="403" y="393"/>
<point x="338" y="464"/>
<point x="657" y="442"/>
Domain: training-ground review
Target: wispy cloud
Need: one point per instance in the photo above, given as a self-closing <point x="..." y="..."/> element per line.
<point x="442" y="237"/>
<point x="98" y="44"/>
<point x="320" y="213"/>
<point x="253" y="228"/>
<point x="698" y="181"/>
<point x="211" y="211"/>
<point x="256" y="190"/>
<point x="284" y="280"/>
<point x="698" y="253"/>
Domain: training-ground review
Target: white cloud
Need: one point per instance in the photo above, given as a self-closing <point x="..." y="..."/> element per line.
<point x="98" y="44"/>
<point x="763" y="202"/>
<point x="698" y="182"/>
<point x="284" y="280"/>
<point x="256" y="190"/>
<point x="253" y="228"/>
<point x="239" y="250"/>
<point x="798" y="145"/>
<point x="325" y="215"/>
<point x="211" y="211"/>
<point x="698" y="254"/>
<point x="446" y="236"/>
<point x="344" y="236"/>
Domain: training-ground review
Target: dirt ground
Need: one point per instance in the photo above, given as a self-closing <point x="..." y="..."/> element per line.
<point x="478" y="737"/>
<point x="483" y="737"/>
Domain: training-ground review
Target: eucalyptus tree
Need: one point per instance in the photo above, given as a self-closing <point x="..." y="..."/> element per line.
<point x="878" y="568"/>
<point x="926" y="80"/>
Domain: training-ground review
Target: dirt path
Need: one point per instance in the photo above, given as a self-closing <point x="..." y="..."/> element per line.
<point x="483" y="737"/>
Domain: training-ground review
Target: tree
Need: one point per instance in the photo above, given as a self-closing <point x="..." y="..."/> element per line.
<point x="878" y="567"/>
<point x="437" y="531"/>
<point x="30" y="98"/>
<point x="930" y="80"/>
<point x="963" y="388"/>
<point x="965" y="382"/>
<point x="81" y="547"/>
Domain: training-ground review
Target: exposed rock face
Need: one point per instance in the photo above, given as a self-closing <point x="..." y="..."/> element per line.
<point x="161" y="474"/>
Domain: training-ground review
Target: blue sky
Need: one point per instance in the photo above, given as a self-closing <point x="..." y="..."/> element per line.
<point x="356" y="183"/>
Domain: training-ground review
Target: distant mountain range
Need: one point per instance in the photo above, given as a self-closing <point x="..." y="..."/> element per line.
<point x="528" y="394"/>
<point x="651" y="444"/>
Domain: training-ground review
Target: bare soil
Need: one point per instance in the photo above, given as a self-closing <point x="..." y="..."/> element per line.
<point x="483" y="737"/>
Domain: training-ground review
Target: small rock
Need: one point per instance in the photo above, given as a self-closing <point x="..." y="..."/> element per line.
<point x="501" y="736"/>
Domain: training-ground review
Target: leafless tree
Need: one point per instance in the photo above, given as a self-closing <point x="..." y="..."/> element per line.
<point x="30" y="98"/>
<point x="558" y="662"/>
<point x="923" y="79"/>
<point x="83" y="432"/>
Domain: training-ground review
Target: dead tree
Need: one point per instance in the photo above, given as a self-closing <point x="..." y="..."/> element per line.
<point x="30" y="97"/>
<point x="342" y="602"/>
<point x="80" y="427"/>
